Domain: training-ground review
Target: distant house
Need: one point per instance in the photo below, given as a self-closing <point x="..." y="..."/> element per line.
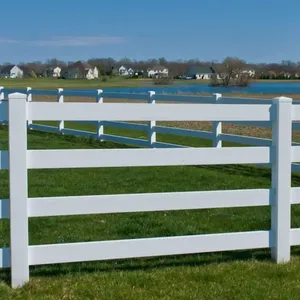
<point x="201" y="72"/>
<point x="11" y="71"/>
<point x="52" y="72"/>
<point x="56" y="72"/>
<point x="251" y="73"/>
<point x="125" y="71"/>
<point x="158" y="71"/>
<point x="80" y="70"/>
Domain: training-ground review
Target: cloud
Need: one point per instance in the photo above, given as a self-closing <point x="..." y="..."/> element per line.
<point x="8" y="41"/>
<point x="68" y="41"/>
<point x="79" y="41"/>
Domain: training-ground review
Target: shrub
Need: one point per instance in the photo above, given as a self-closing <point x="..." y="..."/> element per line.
<point x="162" y="81"/>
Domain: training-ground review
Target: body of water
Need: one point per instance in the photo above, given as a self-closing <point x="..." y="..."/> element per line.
<point x="278" y="88"/>
<point x="258" y="88"/>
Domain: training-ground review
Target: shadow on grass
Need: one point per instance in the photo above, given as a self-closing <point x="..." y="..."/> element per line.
<point x="148" y="264"/>
<point x="143" y="264"/>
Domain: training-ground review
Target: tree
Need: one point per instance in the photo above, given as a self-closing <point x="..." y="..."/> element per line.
<point x="162" y="61"/>
<point x="229" y="72"/>
<point x="54" y="62"/>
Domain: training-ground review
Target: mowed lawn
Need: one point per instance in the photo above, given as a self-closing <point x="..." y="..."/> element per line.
<point x="227" y="275"/>
<point x="51" y="83"/>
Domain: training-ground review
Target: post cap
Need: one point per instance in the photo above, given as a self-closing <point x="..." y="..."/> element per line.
<point x="151" y="93"/>
<point x="17" y="96"/>
<point x="282" y="99"/>
<point x="217" y="95"/>
<point x="99" y="91"/>
<point x="60" y="90"/>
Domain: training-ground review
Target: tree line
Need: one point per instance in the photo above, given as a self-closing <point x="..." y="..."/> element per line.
<point x="284" y="70"/>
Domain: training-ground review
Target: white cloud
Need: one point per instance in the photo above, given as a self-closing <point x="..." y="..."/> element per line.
<point x="68" y="41"/>
<point x="79" y="41"/>
<point x="8" y="41"/>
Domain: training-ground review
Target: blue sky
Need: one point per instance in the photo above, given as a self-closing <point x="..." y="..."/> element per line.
<point x="255" y="30"/>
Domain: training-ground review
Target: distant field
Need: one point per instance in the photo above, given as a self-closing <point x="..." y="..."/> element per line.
<point x="51" y="83"/>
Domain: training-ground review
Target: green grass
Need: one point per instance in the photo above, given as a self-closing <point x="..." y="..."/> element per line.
<point x="228" y="275"/>
<point x="166" y="138"/>
<point x="51" y="83"/>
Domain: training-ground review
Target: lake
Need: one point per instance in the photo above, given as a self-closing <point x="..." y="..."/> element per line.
<point x="278" y="88"/>
<point x="184" y="87"/>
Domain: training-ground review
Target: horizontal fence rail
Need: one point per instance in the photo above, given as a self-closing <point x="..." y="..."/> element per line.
<point x="88" y="158"/>
<point x="76" y="252"/>
<point x="278" y="153"/>
<point x="145" y="112"/>
<point x="105" y="204"/>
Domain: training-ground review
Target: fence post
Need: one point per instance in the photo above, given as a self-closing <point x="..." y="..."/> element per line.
<point x="100" y="126"/>
<point x="281" y="179"/>
<point x="60" y="99"/>
<point x="217" y="127"/>
<point x="1" y="93"/>
<point x="152" y="124"/>
<point x="1" y="99"/>
<point x="18" y="191"/>
<point x="29" y="99"/>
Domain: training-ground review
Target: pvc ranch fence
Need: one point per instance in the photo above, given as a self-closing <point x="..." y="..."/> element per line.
<point x="279" y="153"/>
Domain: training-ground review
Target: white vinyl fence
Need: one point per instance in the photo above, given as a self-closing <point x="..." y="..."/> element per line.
<point x="17" y="111"/>
<point x="152" y="129"/>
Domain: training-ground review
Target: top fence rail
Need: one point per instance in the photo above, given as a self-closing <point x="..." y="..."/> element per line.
<point x="140" y="112"/>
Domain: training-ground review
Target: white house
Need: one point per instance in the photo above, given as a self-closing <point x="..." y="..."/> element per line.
<point x="124" y="71"/>
<point x="92" y="73"/>
<point x="158" y="71"/>
<point x="80" y="70"/>
<point x="11" y="71"/>
<point x="201" y="72"/>
<point x="56" y="72"/>
<point x="251" y="73"/>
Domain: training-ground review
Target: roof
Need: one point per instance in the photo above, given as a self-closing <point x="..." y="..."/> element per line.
<point x="6" y="69"/>
<point x="127" y="67"/>
<point x="201" y="70"/>
<point x="158" y="68"/>
<point x="80" y="66"/>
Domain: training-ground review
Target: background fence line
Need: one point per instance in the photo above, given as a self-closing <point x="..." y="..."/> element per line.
<point x="151" y="128"/>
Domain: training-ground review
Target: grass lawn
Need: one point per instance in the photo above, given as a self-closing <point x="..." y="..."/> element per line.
<point x="50" y="83"/>
<point x="227" y="275"/>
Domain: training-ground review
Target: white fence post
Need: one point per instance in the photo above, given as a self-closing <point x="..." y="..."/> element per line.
<point x="29" y="99"/>
<point x="60" y="99"/>
<point x="1" y="93"/>
<point x="217" y="127"/>
<point x="2" y="98"/>
<point x="152" y="124"/>
<point x="281" y="179"/>
<point x="100" y="126"/>
<point x="18" y="191"/>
